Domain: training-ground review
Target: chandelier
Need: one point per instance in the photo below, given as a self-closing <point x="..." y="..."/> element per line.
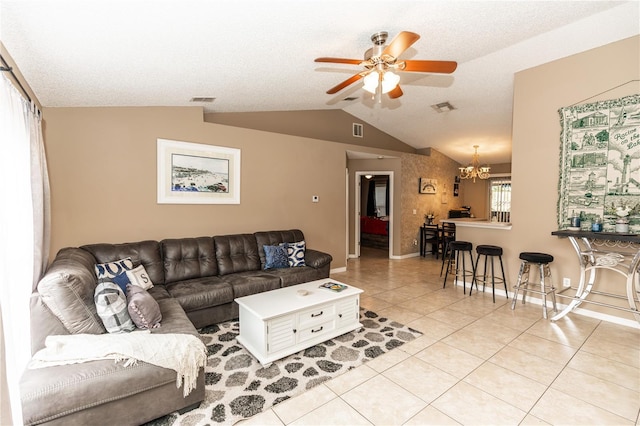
<point x="474" y="169"/>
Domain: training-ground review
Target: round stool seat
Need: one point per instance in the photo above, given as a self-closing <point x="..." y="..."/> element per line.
<point x="460" y="245"/>
<point x="488" y="250"/>
<point x="536" y="257"/>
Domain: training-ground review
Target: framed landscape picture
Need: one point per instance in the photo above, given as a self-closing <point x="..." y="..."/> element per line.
<point x="191" y="173"/>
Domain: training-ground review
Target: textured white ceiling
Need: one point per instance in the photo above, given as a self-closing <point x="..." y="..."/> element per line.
<point x="258" y="56"/>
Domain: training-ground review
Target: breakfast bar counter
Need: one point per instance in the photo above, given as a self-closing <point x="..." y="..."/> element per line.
<point x="603" y="250"/>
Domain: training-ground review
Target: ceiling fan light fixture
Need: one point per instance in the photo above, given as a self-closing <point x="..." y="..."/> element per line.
<point x="370" y="82"/>
<point x="389" y="81"/>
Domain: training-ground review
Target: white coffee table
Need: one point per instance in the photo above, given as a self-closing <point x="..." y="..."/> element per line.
<point x="281" y="322"/>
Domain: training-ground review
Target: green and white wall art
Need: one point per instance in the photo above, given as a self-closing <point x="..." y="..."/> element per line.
<point x="600" y="163"/>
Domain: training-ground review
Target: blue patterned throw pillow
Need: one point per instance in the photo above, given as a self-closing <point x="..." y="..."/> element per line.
<point x="295" y="253"/>
<point x="113" y="269"/>
<point x="276" y="257"/>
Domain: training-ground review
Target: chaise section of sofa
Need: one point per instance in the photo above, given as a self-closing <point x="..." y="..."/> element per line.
<point x="96" y="392"/>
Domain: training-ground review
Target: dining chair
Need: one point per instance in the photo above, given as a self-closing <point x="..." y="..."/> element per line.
<point x="430" y="235"/>
<point x="447" y="234"/>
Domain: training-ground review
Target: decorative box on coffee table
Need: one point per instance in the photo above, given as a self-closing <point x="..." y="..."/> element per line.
<point x="281" y="322"/>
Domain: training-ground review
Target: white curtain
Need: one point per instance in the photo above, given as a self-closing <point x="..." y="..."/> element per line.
<point x="24" y="232"/>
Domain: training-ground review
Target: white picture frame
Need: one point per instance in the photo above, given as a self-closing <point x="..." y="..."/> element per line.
<point x="193" y="173"/>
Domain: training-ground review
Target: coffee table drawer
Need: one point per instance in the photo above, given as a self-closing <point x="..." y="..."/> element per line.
<point x="317" y="330"/>
<point x="316" y="315"/>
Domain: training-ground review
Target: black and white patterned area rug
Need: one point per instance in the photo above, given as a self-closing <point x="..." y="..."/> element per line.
<point x="238" y="387"/>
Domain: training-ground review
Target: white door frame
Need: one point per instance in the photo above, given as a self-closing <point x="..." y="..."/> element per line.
<point x="358" y="197"/>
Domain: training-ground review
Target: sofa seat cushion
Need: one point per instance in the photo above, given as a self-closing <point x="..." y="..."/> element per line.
<point x="53" y="392"/>
<point x="298" y="275"/>
<point x="174" y="319"/>
<point x="252" y="282"/>
<point x="159" y="292"/>
<point x="201" y="293"/>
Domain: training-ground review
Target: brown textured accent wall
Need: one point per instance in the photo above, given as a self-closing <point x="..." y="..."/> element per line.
<point x="435" y="166"/>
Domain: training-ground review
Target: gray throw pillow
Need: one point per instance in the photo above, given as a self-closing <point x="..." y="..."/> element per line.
<point x="111" y="304"/>
<point x="143" y="308"/>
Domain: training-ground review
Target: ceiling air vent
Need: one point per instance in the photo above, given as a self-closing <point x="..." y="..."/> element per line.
<point x="202" y="99"/>
<point x="443" y="107"/>
<point x="358" y="130"/>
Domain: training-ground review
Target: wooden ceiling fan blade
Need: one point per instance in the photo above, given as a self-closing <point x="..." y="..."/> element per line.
<point x="444" y="67"/>
<point x="400" y="43"/>
<point x="340" y="61"/>
<point x="396" y="92"/>
<point x="344" y="84"/>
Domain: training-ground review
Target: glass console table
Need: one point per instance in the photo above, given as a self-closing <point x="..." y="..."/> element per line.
<point x="603" y="250"/>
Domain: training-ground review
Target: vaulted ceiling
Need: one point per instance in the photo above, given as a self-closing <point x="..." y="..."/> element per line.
<point x="253" y="55"/>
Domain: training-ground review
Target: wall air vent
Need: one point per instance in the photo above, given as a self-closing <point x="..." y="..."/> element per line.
<point x="358" y="130"/>
<point x="202" y="99"/>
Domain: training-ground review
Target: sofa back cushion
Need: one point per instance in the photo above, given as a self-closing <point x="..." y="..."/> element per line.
<point x="188" y="258"/>
<point x="67" y="289"/>
<point x="236" y="253"/>
<point x="273" y="238"/>
<point x="146" y="253"/>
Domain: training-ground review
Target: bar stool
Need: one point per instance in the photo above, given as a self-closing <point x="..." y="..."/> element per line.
<point x="542" y="260"/>
<point x="458" y="249"/>
<point x="489" y="252"/>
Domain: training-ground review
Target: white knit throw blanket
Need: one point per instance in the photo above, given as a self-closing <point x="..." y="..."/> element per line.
<point x="183" y="353"/>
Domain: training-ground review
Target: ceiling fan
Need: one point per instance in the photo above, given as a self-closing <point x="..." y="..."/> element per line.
<point x="381" y="60"/>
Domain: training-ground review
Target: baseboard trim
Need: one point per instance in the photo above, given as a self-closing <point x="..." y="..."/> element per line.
<point x="580" y="311"/>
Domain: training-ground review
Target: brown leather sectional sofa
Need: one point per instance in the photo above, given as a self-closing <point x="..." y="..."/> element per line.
<point x="195" y="283"/>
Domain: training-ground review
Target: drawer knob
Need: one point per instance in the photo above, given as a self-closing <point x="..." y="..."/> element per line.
<point x="339" y="315"/>
<point x="317" y="315"/>
<point x="317" y="330"/>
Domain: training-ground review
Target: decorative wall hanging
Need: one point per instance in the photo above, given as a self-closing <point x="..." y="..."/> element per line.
<point x="428" y="186"/>
<point x="190" y="173"/>
<point x="600" y="165"/>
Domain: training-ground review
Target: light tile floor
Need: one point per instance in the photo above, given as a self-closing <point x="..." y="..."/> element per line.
<point x="478" y="363"/>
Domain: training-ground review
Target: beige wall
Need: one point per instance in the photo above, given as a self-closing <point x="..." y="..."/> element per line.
<point x="102" y="164"/>
<point x="333" y="125"/>
<point x="538" y="95"/>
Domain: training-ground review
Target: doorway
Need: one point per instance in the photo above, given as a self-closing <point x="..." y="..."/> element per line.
<point x="373" y="230"/>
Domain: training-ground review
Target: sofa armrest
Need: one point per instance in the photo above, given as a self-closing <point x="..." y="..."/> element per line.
<point x="317" y="259"/>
